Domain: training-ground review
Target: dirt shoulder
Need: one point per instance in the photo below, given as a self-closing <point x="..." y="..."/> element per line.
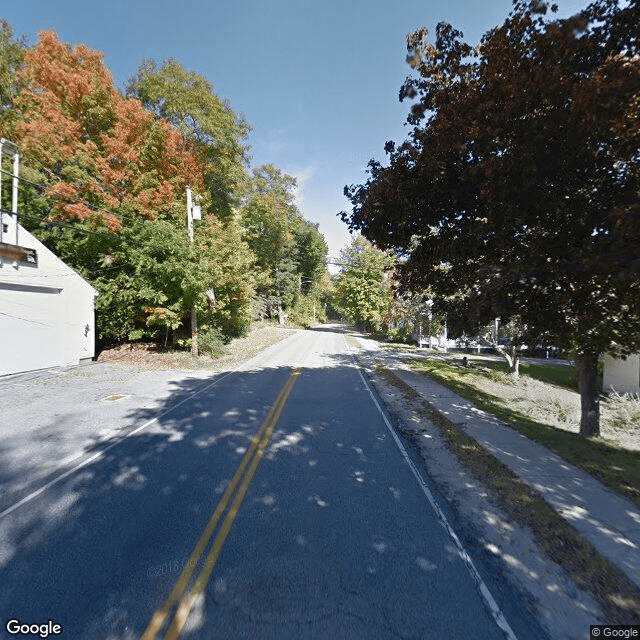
<point x="149" y="356"/>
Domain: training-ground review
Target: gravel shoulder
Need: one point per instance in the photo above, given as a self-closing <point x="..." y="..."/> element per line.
<point x="62" y="417"/>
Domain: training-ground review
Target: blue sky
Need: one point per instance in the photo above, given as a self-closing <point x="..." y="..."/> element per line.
<point x="317" y="81"/>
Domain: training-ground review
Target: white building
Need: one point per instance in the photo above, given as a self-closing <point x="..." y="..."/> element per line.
<point x="622" y="374"/>
<point x="46" y="308"/>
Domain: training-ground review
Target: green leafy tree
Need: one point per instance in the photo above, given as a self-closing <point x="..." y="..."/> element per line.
<point x="11" y="60"/>
<point x="518" y="189"/>
<point x="363" y="291"/>
<point x="208" y="124"/>
<point x="149" y="285"/>
<point x="311" y="253"/>
<point x="228" y="275"/>
<point x="268" y="208"/>
<point x="290" y="253"/>
<point x="152" y="281"/>
<point x="213" y="132"/>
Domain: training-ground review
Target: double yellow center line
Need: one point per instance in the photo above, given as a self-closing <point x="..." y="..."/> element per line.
<point x="179" y="597"/>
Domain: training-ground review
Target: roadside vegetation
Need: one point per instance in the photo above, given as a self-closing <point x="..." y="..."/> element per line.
<point x="543" y="405"/>
<point x="149" y="355"/>
<point x="104" y="174"/>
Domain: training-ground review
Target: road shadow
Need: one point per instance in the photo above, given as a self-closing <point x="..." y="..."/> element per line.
<point x="100" y="549"/>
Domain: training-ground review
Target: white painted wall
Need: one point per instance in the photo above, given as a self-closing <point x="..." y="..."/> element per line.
<point x="622" y="375"/>
<point x="46" y="311"/>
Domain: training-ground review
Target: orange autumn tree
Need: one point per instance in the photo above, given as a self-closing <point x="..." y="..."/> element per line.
<point x="114" y="204"/>
<point x="67" y="102"/>
<point x="97" y="150"/>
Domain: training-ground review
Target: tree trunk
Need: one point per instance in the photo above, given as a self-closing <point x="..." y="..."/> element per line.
<point x="587" y="368"/>
<point x="194" y="331"/>
<point x="513" y="358"/>
<point x="514" y="364"/>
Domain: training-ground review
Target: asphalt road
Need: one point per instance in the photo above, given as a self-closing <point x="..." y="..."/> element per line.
<point x="268" y="502"/>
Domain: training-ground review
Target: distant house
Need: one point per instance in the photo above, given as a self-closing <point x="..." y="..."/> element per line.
<point x="621" y="374"/>
<point x="46" y="308"/>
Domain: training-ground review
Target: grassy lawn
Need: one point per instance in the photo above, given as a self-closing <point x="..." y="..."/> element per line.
<point x="557" y="374"/>
<point x="542" y="406"/>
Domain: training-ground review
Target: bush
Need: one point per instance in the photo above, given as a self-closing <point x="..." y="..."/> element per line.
<point x="622" y="411"/>
<point x="400" y="335"/>
<point x="211" y="342"/>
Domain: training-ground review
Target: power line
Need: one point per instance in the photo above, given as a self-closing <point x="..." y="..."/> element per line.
<point x="8" y="315"/>
<point x="49" y="221"/>
<point x="95" y="233"/>
<point x="337" y="262"/>
<point x="116" y="266"/>
<point x="67" y="226"/>
<point x="73" y="199"/>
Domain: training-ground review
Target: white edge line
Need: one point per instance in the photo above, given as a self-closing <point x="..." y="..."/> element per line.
<point x="98" y="455"/>
<point x="484" y="591"/>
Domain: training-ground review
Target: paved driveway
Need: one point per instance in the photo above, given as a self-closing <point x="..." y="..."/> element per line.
<point x="54" y="419"/>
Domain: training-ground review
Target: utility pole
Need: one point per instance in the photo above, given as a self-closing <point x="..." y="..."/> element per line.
<point x="193" y="213"/>
<point x="8" y="148"/>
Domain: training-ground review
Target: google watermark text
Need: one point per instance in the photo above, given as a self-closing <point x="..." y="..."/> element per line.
<point x="598" y="631"/>
<point x="16" y="627"/>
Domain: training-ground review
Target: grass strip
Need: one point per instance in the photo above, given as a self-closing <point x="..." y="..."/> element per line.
<point x="618" y="597"/>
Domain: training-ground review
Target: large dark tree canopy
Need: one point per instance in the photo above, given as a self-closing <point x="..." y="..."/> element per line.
<point x="517" y="192"/>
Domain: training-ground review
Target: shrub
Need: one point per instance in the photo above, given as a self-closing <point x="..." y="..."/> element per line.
<point x="211" y="342"/>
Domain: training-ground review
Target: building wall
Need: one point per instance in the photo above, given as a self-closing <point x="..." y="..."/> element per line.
<point x="622" y="375"/>
<point x="46" y="311"/>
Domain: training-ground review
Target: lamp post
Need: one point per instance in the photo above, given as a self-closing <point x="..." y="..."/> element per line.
<point x="429" y="304"/>
<point x="193" y="213"/>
